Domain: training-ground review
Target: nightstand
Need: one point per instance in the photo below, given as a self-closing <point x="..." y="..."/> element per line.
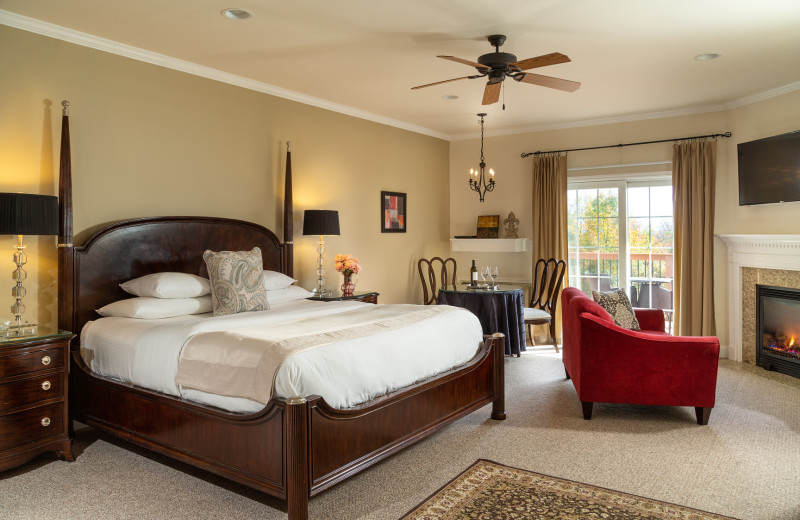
<point x="33" y="397"/>
<point x="368" y="297"/>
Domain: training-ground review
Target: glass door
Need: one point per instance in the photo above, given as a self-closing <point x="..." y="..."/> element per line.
<point x="596" y="236"/>
<point x="650" y="247"/>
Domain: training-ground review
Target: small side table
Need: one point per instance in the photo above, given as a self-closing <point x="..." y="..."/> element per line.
<point x="34" y="374"/>
<point x="368" y="297"/>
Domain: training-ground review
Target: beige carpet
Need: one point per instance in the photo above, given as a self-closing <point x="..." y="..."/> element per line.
<point x="488" y="490"/>
<point x="745" y="463"/>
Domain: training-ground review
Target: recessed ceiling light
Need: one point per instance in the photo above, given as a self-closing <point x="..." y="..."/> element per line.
<point x="708" y="56"/>
<point x="236" y="14"/>
<point x="449" y="97"/>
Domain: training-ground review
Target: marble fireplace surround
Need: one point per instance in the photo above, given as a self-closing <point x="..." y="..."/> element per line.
<point x="756" y="259"/>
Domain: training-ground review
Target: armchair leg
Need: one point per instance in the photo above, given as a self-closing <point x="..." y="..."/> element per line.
<point x="702" y="415"/>
<point x="587" y="409"/>
<point x="566" y="372"/>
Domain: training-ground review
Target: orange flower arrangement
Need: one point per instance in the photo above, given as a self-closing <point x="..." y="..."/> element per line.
<point x="347" y="264"/>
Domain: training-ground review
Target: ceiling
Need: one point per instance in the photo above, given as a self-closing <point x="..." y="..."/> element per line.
<point x="634" y="58"/>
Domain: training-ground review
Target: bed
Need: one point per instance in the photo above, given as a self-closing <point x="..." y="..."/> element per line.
<point x="294" y="448"/>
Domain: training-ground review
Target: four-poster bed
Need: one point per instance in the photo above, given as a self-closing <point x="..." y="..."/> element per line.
<point x="295" y="447"/>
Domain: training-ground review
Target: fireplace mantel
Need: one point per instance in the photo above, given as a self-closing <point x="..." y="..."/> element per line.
<point x="760" y="251"/>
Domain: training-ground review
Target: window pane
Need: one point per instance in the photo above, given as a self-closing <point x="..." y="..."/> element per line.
<point x="587" y="203"/>
<point x="588" y="232"/>
<point x="638" y="202"/>
<point x="607" y="203"/>
<point x="572" y="204"/>
<point x="661" y="232"/>
<point x="661" y="201"/>
<point x="609" y="232"/>
<point x="638" y="232"/>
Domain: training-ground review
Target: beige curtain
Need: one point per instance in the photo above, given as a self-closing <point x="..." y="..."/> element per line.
<point x="693" y="176"/>
<point x="549" y="205"/>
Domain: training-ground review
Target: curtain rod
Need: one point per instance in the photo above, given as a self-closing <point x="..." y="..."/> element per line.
<point x="726" y="134"/>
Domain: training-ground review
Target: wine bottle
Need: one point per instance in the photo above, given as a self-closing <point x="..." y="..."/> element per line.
<point x="473" y="274"/>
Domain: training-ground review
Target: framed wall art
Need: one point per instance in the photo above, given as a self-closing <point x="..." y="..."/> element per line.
<point x="488" y="226"/>
<point x="393" y="212"/>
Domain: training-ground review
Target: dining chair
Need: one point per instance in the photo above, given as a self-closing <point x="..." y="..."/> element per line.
<point x="548" y="275"/>
<point x="430" y="287"/>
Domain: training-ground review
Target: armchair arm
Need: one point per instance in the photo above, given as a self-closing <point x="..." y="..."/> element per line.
<point x="650" y="319"/>
<point x="624" y="366"/>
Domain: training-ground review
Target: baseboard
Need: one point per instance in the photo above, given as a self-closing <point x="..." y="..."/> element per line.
<point x="723" y="352"/>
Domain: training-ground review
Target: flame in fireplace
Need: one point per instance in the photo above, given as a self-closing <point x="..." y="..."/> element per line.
<point x="791" y="342"/>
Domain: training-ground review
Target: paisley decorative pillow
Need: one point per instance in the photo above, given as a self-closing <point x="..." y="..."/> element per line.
<point x="237" y="283"/>
<point x="617" y="304"/>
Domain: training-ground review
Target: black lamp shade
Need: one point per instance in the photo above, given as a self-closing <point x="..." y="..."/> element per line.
<point x="320" y="222"/>
<point x="28" y="214"/>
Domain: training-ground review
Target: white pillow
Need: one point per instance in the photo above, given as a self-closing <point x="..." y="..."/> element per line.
<point x="275" y="281"/>
<point x="288" y="294"/>
<point x="147" y="308"/>
<point x="168" y="285"/>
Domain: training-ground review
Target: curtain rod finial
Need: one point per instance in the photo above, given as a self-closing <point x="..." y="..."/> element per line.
<point x="65" y="104"/>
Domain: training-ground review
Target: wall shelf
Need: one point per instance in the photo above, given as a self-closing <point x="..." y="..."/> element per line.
<point x="489" y="245"/>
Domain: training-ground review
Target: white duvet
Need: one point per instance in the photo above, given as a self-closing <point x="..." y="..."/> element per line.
<point x="146" y="353"/>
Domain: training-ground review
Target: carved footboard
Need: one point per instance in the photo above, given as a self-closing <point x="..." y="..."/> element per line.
<point x="294" y="448"/>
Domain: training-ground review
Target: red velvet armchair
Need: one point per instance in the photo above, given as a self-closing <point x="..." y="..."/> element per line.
<point x="611" y="364"/>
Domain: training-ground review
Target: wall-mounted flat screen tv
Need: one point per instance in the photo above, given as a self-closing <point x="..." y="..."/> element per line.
<point x="769" y="170"/>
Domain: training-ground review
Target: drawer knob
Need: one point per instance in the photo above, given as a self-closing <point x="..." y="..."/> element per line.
<point x="46" y="385"/>
<point x="46" y="421"/>
<point x="46" y="360"/>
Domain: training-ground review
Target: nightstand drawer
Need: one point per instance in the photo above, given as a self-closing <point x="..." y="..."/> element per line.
<point x="17" y="429"/>
<point x="29" y="362"/>
<point x="31" y="390"/>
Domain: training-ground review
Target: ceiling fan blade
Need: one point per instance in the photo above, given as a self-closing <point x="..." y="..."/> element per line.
<point x="465" y="62"/>
<point x="491" y="94"/>
<point x="440" y="82"/>
<point x="547" y="81"/>
<point x="541" y="61"/>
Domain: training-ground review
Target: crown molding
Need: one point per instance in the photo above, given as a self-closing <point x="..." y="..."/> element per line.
<point x="102" y="44"/>
<point x="705" y="109"/>
<point x="761" y="96"/>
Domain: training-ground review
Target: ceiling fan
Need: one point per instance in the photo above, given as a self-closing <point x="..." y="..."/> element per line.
<point x="497" y="66"/>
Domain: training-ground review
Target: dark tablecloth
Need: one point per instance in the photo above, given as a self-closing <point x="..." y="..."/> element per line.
<point x="498" y="311"/>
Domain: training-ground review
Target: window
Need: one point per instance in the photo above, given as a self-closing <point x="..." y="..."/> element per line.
<point x="621" y="235"/>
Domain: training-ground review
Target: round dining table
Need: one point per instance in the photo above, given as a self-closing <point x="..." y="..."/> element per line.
<point x="499" y="310"/>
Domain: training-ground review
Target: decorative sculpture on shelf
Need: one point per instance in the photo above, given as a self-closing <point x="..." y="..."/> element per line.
<point x="511" y="225"/>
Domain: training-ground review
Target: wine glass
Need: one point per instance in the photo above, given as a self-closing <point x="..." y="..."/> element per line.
<point x="487" y="274"/>
<point x="494" y="272"/>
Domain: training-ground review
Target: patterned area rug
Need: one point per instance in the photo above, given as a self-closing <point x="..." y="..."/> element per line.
<point x="487" y="490"/>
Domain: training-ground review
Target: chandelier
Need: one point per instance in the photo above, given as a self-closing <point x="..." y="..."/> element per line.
<point x="477" y="178"/>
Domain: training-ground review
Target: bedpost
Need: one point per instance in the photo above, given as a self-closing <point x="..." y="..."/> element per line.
<point x="499" y="351"/>
<point x="297" y="466"/>
<point x="288" y="215"/>
<point x="65" y="246"/>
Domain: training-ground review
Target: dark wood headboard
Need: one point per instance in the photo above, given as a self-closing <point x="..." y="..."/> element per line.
<point x="89" y="275"/>
<point x="133" y="248"/>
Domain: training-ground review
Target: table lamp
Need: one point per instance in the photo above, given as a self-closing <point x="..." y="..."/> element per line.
<point x="320" y="222"/>
<point x="25" y="214"/>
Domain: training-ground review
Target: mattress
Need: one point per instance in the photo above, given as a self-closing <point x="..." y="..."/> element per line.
<point x="347" y="373"/>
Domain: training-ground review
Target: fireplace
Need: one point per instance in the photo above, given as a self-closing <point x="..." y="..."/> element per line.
<point x="778" y="329"/>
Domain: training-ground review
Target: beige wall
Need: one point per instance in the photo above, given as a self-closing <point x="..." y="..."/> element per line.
<point x="762" y="119"/>
<point x="149" y="141"/>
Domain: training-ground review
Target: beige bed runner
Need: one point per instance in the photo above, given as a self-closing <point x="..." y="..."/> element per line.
<point x="244" y="362"/>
